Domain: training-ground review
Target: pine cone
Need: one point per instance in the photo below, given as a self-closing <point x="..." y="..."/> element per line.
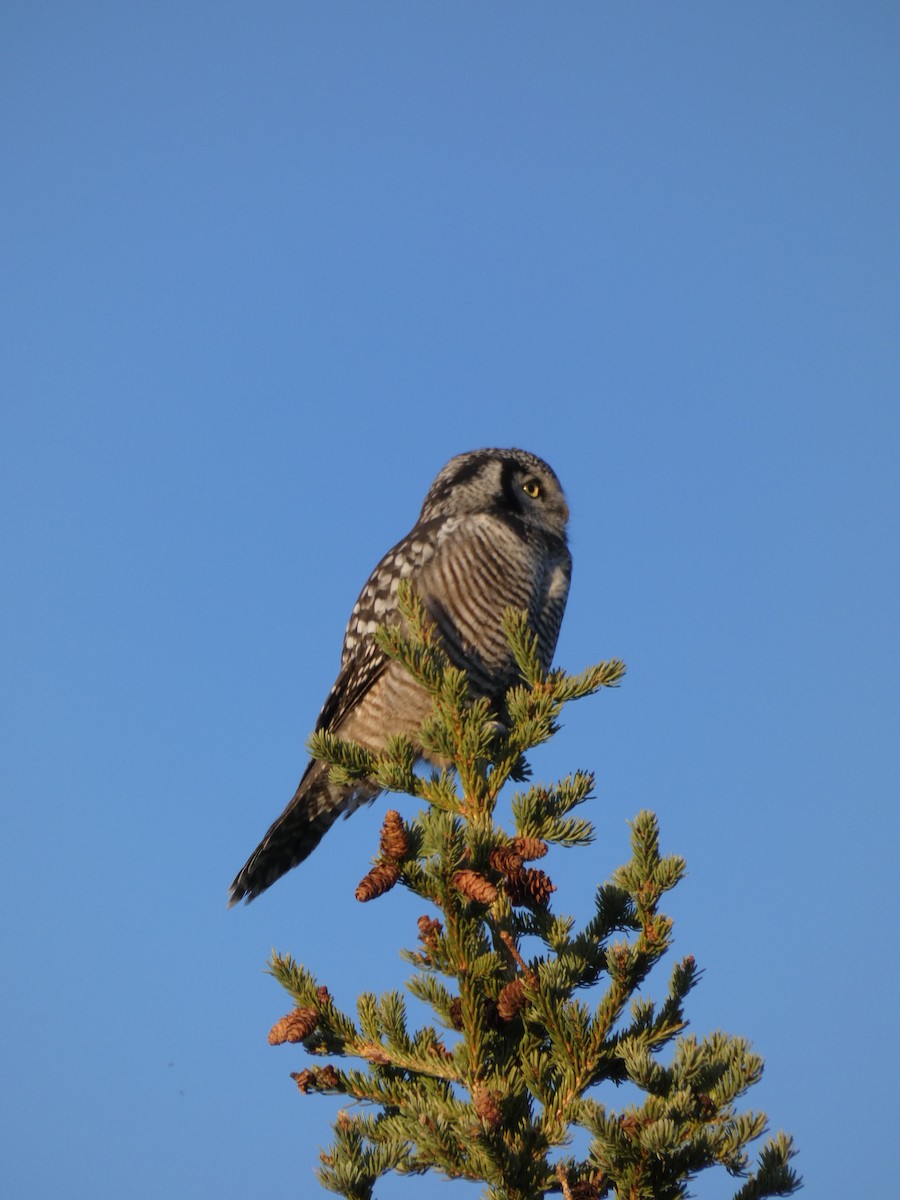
<point x="430" y="929"/>
<point x="379" y="880"/>
<point x="485" y="1104"/>
<point x="456" y="1014"/>
<point x="540" y="885"/>
<point x="706" y="1104"/>
<point x="529" y="847"/>
<point x="475" y="887"/>
<point x="529" y="888"/>
<point x="586" y="1189"/>
<point x="506" y="860"/>
<point x="438" y="1048"/>
<point x="305" y="1080"/>
<point x="511" y="999"/>
<point x="394" y="839"/>
<point x="295" y="1027"/>
<point x="327" y="1077"/>
<point x="630" y="1124"/>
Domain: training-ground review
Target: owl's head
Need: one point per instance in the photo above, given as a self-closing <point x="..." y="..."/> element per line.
<point x="507" y="482"/>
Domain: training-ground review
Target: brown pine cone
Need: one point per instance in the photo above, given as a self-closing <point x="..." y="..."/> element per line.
<point x="379" y="880"/>
<point x="394" y="839"/>
<point x="430" y="929"/>
<point x="475" y="887"/>
<point x="295" y="1027"/>
<point x="456" y="1014"/>
<point x="511" y="999"/>
<point x="327" y="1077"/>
<point x="529" y="888"/>
<point x="485" y="1104"/>
<point x="529" y="847"/>
<point x="505" y="860"/>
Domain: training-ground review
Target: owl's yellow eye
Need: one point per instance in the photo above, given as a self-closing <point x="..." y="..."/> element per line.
<point x="531" y="488"/>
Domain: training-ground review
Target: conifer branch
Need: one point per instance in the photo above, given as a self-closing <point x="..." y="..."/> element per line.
<point x="524" y="1046"/>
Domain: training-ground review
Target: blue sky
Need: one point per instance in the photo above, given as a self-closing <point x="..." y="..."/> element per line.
<point x="265" y="269"/>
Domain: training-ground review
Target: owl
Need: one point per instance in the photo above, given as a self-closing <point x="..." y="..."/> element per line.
<point x="491" y="535"/>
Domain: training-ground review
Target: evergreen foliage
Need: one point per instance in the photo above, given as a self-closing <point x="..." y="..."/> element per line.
<point x="519" y="1060"/>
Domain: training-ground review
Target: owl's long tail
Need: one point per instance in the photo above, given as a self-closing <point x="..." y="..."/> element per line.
<point x="316" y="805"/>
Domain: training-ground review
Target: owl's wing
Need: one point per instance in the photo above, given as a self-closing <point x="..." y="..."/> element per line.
<point x="362" y="662"/>
<point x="357" y="676"/>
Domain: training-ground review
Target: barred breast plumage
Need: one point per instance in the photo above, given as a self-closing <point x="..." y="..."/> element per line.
<point x="491" y="535"/>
